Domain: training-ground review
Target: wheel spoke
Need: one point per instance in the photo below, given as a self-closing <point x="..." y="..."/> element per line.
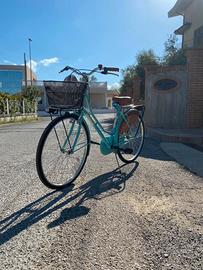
<point x="59" y="168"/>
<point x="133" y="140"/>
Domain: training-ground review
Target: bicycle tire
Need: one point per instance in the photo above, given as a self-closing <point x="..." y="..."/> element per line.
<point x="45" y="135"/>
<point x="121" y="153"/>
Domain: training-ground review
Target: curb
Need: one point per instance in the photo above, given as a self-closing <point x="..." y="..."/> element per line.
<point x="18" y="118"/>
<point x="189" y="157"/>
<point x="189" y="139"/>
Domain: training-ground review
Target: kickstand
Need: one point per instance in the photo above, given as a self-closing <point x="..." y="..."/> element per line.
<point x="119" y="167"/>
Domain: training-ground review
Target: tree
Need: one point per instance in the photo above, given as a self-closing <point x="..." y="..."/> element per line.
<point x="142" y="59"/>
<point x="173" y="55"/>
<point x="145" y="58"/>
<point x="31" y="92"/>
<point x="128" y="74"/>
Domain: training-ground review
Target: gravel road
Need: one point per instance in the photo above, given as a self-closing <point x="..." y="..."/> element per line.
<point x="149" y="217"/>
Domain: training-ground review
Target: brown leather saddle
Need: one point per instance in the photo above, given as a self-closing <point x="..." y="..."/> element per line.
<point x="132" y="116"/>
<point x="123" y="101"/>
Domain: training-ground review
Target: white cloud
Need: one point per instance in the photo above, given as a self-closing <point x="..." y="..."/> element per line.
<point x="9" y="62"/>
<point x="33" y="65"/>
<point x="114" y="86"/>
<point x="45" y="62"/>
<point x="48" y="61"/>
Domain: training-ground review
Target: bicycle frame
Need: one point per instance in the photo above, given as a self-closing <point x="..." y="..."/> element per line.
<point x="57" y="163"/>
<point x="109" y="143"/>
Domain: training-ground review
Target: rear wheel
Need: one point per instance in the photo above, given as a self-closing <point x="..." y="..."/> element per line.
<point x="132" y="141"/>
<point x="57" y="165"/>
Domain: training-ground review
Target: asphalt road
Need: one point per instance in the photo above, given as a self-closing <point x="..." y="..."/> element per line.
<point x="149" y="217"/>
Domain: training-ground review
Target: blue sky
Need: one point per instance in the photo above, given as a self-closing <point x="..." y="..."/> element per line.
<point x="83" y="33"/>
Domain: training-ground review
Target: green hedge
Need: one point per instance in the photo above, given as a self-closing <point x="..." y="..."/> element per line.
<point x="15" y="103"/>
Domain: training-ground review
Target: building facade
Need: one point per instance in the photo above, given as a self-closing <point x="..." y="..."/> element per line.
<point x="110" y="95"/>
<point x="13" y="77"/>
<point x="174" y="94"/>
<point x="192" y="28"/>
<point x="98" y="95"/>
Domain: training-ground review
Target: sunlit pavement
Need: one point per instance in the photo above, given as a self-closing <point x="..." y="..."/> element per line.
<point x="147" y="217"/>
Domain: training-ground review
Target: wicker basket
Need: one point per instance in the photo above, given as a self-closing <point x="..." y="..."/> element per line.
<point x="65" y="95"/>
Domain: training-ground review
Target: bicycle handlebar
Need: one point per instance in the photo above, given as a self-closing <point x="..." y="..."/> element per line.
<point x="114" y="69"/>
<point x="65" y="68"/>
<point x="99" y="69"/>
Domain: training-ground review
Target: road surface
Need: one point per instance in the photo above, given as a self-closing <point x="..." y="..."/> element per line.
<point x="149" y="217"/>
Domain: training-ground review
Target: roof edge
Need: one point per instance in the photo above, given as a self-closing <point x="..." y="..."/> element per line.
<point x="179" y="8"/>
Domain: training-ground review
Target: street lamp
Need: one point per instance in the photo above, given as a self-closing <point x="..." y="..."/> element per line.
<point x="30" y="40"/>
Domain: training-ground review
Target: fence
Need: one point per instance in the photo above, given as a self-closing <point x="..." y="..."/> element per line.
<point x="14" y="107"/>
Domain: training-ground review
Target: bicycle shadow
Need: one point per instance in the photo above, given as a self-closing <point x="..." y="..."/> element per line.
<point x="107" y="184"/>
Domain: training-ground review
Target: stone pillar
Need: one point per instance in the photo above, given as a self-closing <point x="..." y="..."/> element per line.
<point x="129" y="92"/>
<point x="194" y="110"/>
<point x="136" y="89"/>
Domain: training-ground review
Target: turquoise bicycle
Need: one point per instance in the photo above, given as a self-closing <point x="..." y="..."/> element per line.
<point x="65" y="143"/>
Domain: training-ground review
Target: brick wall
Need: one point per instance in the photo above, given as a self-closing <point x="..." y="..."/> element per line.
<point x="194" y="110"/>
<point x="134" y="91"/>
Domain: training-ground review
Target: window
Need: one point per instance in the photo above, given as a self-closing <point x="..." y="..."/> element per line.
<point x="11" y="80"/>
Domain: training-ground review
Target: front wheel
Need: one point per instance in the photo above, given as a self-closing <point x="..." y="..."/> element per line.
<point x="58" y="161"/>
<point x="131" y="139"/>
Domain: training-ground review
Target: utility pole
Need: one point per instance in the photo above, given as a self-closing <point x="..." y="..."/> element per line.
<point x="25" y="66"/>
<point x="30" y="40"/>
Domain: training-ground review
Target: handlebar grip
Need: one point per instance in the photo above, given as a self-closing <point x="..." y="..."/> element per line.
<point x="65" y="68"/>
<point x="113" y="69"/>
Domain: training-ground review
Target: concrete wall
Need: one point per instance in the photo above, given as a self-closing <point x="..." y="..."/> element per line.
<point x="166" y="108"/>
<point x="98" y="101"/>
<point x="109" y="96"/>
<point x="18" y="118"/>
<point x="181" y="107"/>
<point x="194" y="15"/>
<point x="98" y="95"/>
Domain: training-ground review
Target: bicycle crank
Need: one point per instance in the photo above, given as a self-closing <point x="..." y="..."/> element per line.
<point x="126" y="150"/>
